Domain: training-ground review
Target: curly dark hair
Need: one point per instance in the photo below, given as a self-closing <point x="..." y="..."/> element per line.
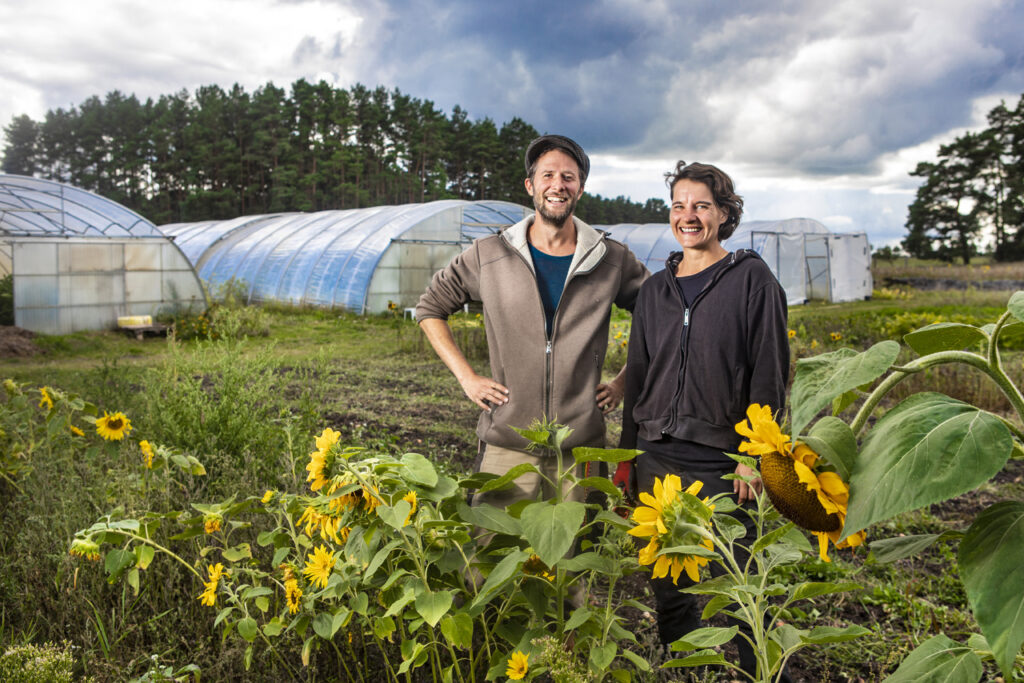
<point x="720" y="184"/>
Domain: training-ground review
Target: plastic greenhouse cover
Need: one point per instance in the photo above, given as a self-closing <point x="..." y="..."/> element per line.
<point x="43" y="207"/>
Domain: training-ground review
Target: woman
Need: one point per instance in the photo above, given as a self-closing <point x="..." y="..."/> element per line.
<point x="708" y="339"/>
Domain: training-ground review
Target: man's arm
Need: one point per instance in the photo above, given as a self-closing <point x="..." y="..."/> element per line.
<point x="483" y="391"/>
<point x="610" y="394"/>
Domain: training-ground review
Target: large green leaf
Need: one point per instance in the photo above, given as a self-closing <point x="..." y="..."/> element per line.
<point x="507" y="478"/>
<point x="432" y="605"/>
<point x="819" y="635"/>
<point x="490" y="518"/>
<point x="551" y="529"/>
<point x="458" y="629"/>
<point x="711" y="636"/>
<point x="938" y="660"/>
<point x="589" y="454"/>
<point x="502" y="572"/>
<point x="891" y="549"/>
<point x="821" y="378"/>
<point x="833" y="440"/>
<point x="418" y="469"/>
<point x="944" y="337"/>
<point x="927" y="449"/>
<point x="601" y="656"/>
<point x="992" y="568"/>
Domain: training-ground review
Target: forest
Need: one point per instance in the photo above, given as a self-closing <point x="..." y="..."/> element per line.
<point x="217" y="154"/>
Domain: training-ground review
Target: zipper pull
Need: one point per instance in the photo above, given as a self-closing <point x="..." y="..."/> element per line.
<point x="686" y="317"/>
<point x="547" y="348"/>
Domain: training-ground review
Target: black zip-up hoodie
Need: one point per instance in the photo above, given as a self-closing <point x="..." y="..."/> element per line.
<point x="691" y="373"/>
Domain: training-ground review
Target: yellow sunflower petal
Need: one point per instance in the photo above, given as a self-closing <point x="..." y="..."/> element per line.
<point x="822" y="545"/>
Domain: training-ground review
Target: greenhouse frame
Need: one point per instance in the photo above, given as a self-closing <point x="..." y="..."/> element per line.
<point x="809" y="260"/>
<point x="78" y="261"/>
<point x="360" y="260"/>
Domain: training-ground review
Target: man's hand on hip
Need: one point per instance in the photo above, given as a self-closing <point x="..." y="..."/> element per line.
<point x="484" y="391"/>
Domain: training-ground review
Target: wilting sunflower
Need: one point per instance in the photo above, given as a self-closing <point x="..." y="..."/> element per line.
<point x="666" y="505"/>
<point x="84" y="547"/>
<point x="326" y="525"/>
<point x="319" y="460"/>
<point x="813" y="499"/>
<point x="292" y="593"/>
<point x="319" y="566"/>
<point x="211" y="522"/>
<point x="518" y="665"/>
<point x="147" y="453"/>
<point x="534" y="566"/>
<point x="45" y="400"/>
<point x="113" y="427"/>
<point x="209" y="595"/>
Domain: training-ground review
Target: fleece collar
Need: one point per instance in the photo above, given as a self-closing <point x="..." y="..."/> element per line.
<point x="590" y="246"/>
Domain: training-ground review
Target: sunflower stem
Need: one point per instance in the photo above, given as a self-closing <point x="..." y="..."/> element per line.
<point x="931" y="360"/>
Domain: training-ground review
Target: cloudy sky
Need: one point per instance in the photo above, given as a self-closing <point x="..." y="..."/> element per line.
<point x="817" y="109"/>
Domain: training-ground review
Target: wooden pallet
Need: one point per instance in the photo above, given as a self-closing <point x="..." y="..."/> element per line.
<point x="141" y="331"/>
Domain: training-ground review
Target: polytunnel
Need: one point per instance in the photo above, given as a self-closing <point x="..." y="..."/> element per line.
<point x="78" y="261"/>
<point x="357" y="259"/>
<point x="809" y="260"/>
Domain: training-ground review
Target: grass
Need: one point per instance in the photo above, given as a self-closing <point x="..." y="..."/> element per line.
<point x="249" y="410"/>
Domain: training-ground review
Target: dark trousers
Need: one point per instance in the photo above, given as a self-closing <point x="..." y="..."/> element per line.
<point x="679" y="613"/>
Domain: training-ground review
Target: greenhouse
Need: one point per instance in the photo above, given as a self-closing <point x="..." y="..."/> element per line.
<point x="810" y="261"/>
<point x="77" y="261"/>
<point x="357" y="259"/>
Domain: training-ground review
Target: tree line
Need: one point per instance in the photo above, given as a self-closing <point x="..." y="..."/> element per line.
<point x="973" y="191"/>
<point x="216" y="153"/>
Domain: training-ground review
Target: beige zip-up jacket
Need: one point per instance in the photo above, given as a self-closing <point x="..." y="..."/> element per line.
<point x="555" y="377"/>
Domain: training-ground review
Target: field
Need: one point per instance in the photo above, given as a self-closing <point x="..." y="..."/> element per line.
<point x="249" y="404"/>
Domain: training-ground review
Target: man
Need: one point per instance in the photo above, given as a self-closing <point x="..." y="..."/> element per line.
<point x="547" y="285"/>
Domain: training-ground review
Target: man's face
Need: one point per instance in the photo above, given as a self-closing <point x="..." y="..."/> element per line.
<point x="555" y="186"/>
<point x="695" y="217"/>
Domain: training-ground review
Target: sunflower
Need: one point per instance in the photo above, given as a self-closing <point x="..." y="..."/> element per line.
<point x="318" y="460"/>
<point x="410" y="498"/>
<point x="209" y="595"/>
<point x="113" y="427"/>
<point x="76" y="431"/>
<point x="792" y="333"/>
<point x="815" y="500"/>
<point x="518" y="665"/>
<point x="315" y="522"/>
<point x="87" y="548"/>
<point x="211" y="522"/>
<point x="319" y="566"/>
<point x="666" y="505"/>
<point x="268" y="495"/>
<point x="534" y="566"/>
<point x="45" y="400"/>
<point x="147" y="453"/>
<point x="292" y="593"/>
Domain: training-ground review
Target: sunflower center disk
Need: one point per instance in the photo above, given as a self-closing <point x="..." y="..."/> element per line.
<point x="791" y="496"/>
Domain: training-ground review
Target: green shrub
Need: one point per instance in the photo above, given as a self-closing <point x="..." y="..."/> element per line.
<point x="29" y="663"/>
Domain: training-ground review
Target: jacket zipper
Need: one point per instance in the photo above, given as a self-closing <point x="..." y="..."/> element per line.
<point x="685" y="335"/>
<point x="549" y="341"/>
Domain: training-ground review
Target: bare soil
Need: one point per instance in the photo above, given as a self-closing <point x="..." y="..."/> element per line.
<point x="16" y="342"/>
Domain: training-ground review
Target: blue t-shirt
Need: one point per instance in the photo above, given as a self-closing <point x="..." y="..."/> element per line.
<point x="551" y="273"/>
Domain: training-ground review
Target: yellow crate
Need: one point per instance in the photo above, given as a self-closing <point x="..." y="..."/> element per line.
<point x="134" y="320"/>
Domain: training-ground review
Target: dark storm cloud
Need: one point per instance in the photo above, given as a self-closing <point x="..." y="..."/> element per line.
<point x="803" y="87"/>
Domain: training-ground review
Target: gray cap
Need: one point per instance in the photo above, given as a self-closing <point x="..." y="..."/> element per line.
<point x="546" y="143"/>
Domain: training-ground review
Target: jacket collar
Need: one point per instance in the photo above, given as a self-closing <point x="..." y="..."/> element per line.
<point x="590" y="246"/>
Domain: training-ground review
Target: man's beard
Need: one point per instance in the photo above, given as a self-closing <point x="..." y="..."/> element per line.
<point x="560" y="218"/>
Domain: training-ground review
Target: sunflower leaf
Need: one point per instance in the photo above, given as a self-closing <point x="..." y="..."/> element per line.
<point x="832" y="634"/>
<point x="938" y="660"/>
<point x="833" y="440"/>
<point x="700" y="658"/>
<point x="508" y="477"/>
<point x="992" y="571"/>
<point x="587" y="454"/>
<point x="551" y="529"/>
<point x="1016" y="305"/>
<point x="418" y="470"/>
<point x="888" y="550"/>
<point x="822" y="378"/>
<point x="711" y="636"/>
<point x="927" y="449"/>
<point x="944" y="337"/>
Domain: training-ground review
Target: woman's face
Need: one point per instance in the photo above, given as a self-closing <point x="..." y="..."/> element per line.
<point x="695" y="217"/>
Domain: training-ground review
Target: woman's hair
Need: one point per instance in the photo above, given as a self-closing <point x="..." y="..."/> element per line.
<point x="721" y="188"/>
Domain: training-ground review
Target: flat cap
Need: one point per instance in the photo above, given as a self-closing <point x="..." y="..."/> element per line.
<point x="546" y="143"/>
